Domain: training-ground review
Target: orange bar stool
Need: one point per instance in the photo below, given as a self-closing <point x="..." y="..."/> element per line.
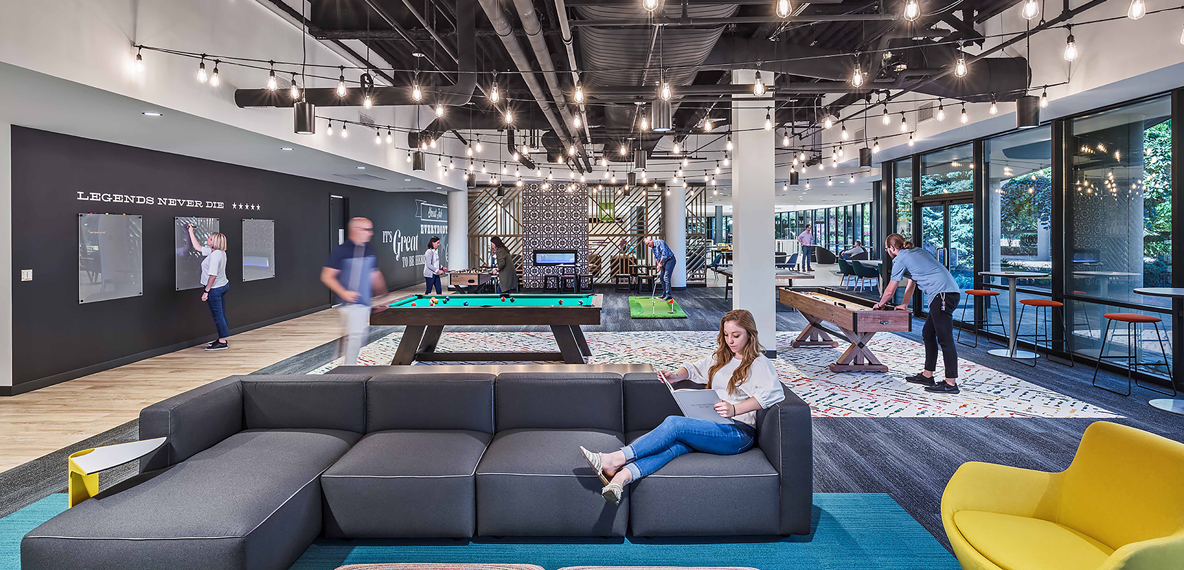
<point x="987" y="296"/>
<point x="1133" y="321"/>
<point x="1048" y="305"/>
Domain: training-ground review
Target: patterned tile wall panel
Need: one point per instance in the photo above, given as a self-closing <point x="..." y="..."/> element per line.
<point x="555" y="217"/>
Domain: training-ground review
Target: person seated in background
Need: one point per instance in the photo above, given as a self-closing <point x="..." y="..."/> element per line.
<point x="751" y="385"/>
<point x="855" y="250"/>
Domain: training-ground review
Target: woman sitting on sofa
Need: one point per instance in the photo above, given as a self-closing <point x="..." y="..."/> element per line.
<point x="745" y="381"/>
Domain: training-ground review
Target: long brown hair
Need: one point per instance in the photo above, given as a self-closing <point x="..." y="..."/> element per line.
<point x="897" y="241"/>
<point x="748" y="354"/>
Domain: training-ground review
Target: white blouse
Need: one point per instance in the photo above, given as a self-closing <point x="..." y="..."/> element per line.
<point x="762" y="383"/>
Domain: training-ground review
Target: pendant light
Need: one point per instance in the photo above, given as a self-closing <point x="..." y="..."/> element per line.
<point x="783" y="9"/>
<point x="1031" y="10"/>
<point x="1070" y="45"/>
<point x="758" y="88"/>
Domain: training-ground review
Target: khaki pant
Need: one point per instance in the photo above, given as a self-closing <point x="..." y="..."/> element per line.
<point x="355" y="321"/>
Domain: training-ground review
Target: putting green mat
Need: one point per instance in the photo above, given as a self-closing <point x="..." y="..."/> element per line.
<point x="654" y="308"/>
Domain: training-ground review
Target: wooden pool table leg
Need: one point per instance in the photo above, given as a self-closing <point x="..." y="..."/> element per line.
<point x="813" y="335"/>
<point x="567" y="344"/>
<point x="577" y="332"/>
<point x="431" y="337"/>
<point x="405" y="354"/>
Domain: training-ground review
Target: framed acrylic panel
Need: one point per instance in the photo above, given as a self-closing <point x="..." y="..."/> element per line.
<point x="110" y="257"/>
<point x="258" y="249"/>
<point x="188" y="259"/>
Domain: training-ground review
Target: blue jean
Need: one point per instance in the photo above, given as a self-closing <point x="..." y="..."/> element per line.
<point x="218" y="309"/>
<point x="667" y="275"/>
<point x="678" y="435"/>
<point x="806" y="251"/>
<point x="432" y="281"/>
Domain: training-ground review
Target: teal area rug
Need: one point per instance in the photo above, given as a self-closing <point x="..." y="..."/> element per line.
<point x="851" y="530"/>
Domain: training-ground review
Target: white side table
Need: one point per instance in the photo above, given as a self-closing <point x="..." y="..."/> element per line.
<point x="1012" y="276"/>
<point x="1177" y="295"/>
<point x="84" y="466"/>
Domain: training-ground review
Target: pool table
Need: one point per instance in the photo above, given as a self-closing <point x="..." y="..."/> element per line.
<point x="425" y="320"/>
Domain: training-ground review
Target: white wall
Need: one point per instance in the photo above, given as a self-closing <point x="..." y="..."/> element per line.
<point x="91" y="43"/>
<point x="6" y="255"/>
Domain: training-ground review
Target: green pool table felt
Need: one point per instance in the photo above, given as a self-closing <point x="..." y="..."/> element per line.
<point x="494" y="300"/>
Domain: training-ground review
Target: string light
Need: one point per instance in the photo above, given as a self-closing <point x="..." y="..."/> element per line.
<point x="960" y="69"/>
<point x="727" y="160"/>
<point x="685" y="161"/>
<point x="758" y="87"/>
<point x="941" y="111"/>
<point x="377" y="137"/>
<point x="622" y="150"/>
<point x="439" y="110"/>
<point x="367" y="102"/>
<point x="830" y="182"/>
<point x="576" y="121"/>
<point x="676" y="149"/>
<point x="272" y="84"/>
<point x="768" y="122"/>
<point x="341" y="83"/>
<point x="965" y="118"/>
<point x="571" y="150"/>
<point x="509" y="117"/>
<point x="293" y="90"/>
<point x="784" y="8"/>
<point x="828" y="122"/>
<point x="844" y="135"/>
<point x="717" y="168"/>
<point x="645" y="124"/>
<point x="1070" y="45"/>
<point x="579" y="94"/>
<point x="477" y="147"/>
<point x="802" y="156"/>
<point x="202" y="77"/>
<point x="665" y="93"/>
<point x="857" y="77"/>
<point x="344" y="133"/>
<point x="1031" y="10"/>
<point x="139" y="61"/>
<point x="469" y="150"/>
<point x="1137" y="10"/>
<point x="728" y="146"/>
<point x="785" y="139"/>
<point x="390" y="138"/>
<point x="994" y="106"/>
<point x="884" y="118"/>
<point x="904" y="123"/>
<point x="912" y="10"/>
<point x="329" y="131"/>
<point x="649" y="5"/>
<point x="911" y="140"/>
<point x="214" y="79"/>
<point x="1044" y="99"/>
<point x="875" y="145"/>
<point x="707" y="125"/>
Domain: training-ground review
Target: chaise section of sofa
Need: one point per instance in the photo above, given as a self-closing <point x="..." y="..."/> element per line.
<point x="765" y="490"/>
<point x="412" y="475"/>
<point x="236" y="486"/>
<point x="533" y="481"/>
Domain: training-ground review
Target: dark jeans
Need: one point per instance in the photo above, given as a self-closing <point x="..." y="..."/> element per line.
<point x="678" y="435"/>
<point x="218" y="309"/>
<point x="667" y="275"/>
<point x="433" y="281"/>
<point x="939" y="330"/>
<point x="806" y="251"/>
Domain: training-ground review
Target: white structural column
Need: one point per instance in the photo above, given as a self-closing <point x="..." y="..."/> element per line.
<point x="674" y="224"/>
<point x="458" y="229"/>
<point x="6" y="255"/>
<point x="753" y="180"/>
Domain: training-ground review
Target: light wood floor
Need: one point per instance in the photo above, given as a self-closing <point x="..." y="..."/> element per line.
<point x="42" y="421"/>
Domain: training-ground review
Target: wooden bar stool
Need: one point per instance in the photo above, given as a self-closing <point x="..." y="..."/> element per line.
<point x="548" y="280"/>
<point x="1132" y="320"/>
<point x="988" y="295"/>
<point x="1048" y="305"/>
<point x="624" y="279"/>
<point x="645" y="281"/>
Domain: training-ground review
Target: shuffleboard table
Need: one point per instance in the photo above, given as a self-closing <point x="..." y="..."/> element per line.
<point x="854" y="318"/>
<point x="425" y="317"/>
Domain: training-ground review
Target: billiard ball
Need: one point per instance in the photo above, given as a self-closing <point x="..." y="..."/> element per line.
<point x="561" y="301"/>
<point x="466" y="303"/>
<point x="412" y="304"/>
<point x="580" y="302"/>
<point x="511" y="299"/>
<point x="503" y="299"/>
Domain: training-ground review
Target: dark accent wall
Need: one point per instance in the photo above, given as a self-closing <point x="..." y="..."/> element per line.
<point x="55" y="338"/>
<point x="555" y="217"/>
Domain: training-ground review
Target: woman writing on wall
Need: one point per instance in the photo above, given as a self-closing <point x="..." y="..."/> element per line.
<point x="432" y="270"/>
<point x="507" y="274"/>
<point x="745" y="381"/>
<point x="213" y="272"/>
<point x="934" y="279"/>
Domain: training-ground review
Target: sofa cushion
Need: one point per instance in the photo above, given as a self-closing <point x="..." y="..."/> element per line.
<point x="396" y="402"/>
<point x="251" y="501"/>
<point x="564" y="400"/>
<point x="701" y="494"/>
<point x="536" y="483"/>
<point x="331" y="401"/>
<point x="405" y="483"/>
<point x="647" y="401"/>
<point x="1023" y="543"/>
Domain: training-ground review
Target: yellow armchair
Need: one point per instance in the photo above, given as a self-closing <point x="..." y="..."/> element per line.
<point x="1119" y="505"/>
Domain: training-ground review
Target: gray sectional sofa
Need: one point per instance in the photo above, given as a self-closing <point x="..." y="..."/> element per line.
<point x="256" y="467"/>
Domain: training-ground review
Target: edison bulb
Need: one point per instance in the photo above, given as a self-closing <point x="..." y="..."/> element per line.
<point x="784" y="8"/>
<point x="912" y="10"/>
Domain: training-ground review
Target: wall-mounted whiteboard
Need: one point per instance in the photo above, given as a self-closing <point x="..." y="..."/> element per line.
<point x="188" y="260"/>
<point x="258" y="249"/>
<point x="110" y="257"/>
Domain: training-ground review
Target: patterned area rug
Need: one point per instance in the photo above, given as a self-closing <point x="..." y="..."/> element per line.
<point x="986" y="393"/>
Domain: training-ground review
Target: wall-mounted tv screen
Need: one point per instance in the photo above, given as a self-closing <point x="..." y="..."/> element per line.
<point x="188" y="259"/>
<point x="554" y="257"/>
<point x="258" y="249"/>
<point x="110" y="257"/>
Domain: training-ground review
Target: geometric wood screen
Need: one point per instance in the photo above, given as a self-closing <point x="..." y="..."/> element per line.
<point x="492" y="215"/>
<point x="619" y="220"/>
<point x="697" y="237"/>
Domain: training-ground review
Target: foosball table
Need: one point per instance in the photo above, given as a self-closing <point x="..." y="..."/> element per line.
<point x="472" y="280"/>
<point x="854" y="318"/>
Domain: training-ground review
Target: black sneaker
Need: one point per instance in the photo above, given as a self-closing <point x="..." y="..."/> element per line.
<point x="218" y="346"/>
<point x="920" y="379"/>
<point x="943" y="388"/>
<point x="211" y="343"/>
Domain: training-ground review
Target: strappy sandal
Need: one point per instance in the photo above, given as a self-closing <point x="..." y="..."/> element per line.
<point x="594" y="462"/>
<point x="612" y="493"/>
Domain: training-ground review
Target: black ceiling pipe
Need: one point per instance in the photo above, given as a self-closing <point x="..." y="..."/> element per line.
<point x="450" y="96"/>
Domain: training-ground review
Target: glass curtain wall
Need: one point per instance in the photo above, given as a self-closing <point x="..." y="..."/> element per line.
<point x="903" y="190"/>
<point x="1119" y="234"/>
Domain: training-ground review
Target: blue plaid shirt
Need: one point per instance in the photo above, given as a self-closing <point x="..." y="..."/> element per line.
<point x="661" y="251"/>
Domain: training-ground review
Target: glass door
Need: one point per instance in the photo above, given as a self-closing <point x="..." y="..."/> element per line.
<point x="947" y="233"/>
